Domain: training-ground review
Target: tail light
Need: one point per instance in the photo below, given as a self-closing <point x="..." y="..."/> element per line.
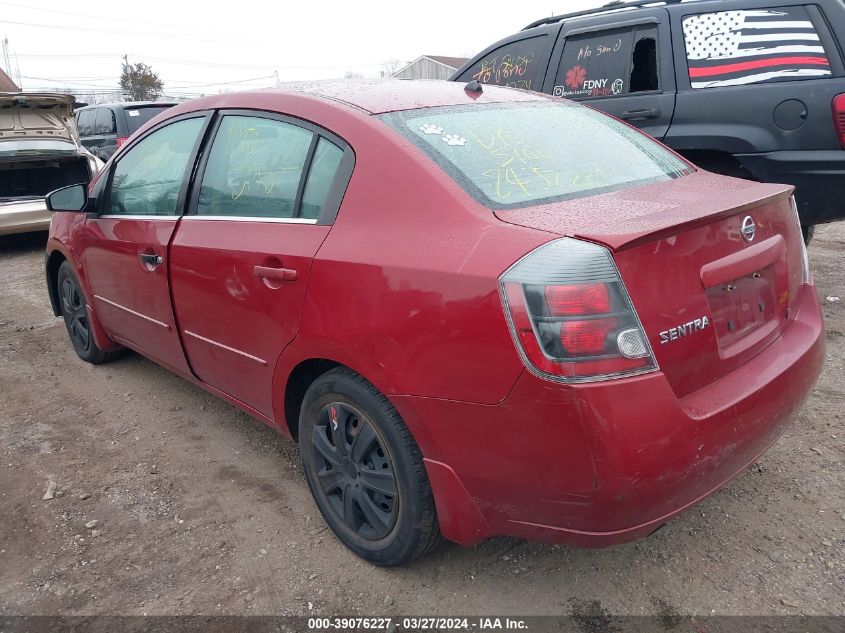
<point x="805" y="259"/>
<point x="121" y="140"/>
<point x="839" y="117"/>
<point x="570" y="315"/>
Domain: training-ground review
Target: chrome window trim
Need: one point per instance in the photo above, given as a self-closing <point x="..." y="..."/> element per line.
<point x="117" y="216"/>
<point x="241" y="218"/>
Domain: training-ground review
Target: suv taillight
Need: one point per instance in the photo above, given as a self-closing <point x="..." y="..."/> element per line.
<point x="839" y="117"/>
<point x="121" y="140"/>
<point x="570" y="314"/>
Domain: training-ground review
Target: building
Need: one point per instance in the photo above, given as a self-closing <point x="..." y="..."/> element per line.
<point x="6" y="83"/>
<point x="431" y="67"/>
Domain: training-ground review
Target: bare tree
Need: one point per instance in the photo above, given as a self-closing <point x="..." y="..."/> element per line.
<point x="351" y="74"/>
<point x="390" y="66"/>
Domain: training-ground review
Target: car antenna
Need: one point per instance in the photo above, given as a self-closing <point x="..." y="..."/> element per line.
<point x="474" y="86"/>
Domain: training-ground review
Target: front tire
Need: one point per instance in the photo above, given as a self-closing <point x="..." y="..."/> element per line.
<point x="365" y="471"/>
<point x="75" y="314"/>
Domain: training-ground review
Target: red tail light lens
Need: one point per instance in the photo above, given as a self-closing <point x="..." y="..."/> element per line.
<point x="586" y="338"/>
<point x="580" y="300"/>
<point x="570" y="315"/>
<point x="839" y="117"/>
<point x="121" y="140"/>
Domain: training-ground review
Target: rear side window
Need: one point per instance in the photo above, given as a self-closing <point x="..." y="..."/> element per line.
<point x="519" y="64"/>
<point x="136" y="117"/>
<point x="736" y="48"/>
<point x="518" y="155"/>
<point x="609" y="63"/>
<point x="254" y="168"/>
<point x="85" y="122"/>
<point x="321" y="175"/>
<point x="104" y="122"/>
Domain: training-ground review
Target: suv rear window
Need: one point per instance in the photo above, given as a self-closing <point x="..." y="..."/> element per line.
<point x="518" y="155"/>
<point x="735" y="48"/>
<point x="136" y="117"/>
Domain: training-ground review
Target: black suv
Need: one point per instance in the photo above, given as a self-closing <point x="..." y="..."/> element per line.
<point x="105" y="127"/>
<point x="747" y="88"/>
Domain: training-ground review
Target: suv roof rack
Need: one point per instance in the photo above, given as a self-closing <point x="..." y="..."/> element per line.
<point x="615" y="5"/>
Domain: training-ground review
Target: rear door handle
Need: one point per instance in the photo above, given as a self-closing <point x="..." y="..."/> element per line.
<point x="275" y="274"/>
<point x="642" y="113"/>
<point x="151" y="259"/>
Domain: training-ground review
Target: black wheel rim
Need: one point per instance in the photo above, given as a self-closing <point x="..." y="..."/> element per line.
<point x="75" y="313"/>
<point x="355" y="473"/>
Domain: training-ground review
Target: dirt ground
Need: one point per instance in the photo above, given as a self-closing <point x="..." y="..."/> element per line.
<point x="201" y="510"/>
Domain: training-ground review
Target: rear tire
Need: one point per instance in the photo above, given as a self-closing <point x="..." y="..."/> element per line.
<point x="365" y="471"/>
<point x="77" y="322"/>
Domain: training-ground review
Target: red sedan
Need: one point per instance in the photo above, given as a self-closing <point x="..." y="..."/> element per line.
<point x="479" y="312"/>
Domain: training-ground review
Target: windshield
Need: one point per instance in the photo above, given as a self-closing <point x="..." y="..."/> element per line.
<point x="516" y="155"/>
<point x="36" y="146"/>
<point x="136" y="117"/>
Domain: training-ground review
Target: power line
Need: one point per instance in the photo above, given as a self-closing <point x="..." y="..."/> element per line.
<point x="96" y="17"/>
<point x="146" y="34"/>
<point x="195" y="62"/>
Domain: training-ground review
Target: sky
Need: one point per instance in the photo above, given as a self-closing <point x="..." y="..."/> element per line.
<point x="208" y="47"/>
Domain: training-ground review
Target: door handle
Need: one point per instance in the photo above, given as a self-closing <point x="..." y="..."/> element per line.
<point x="151" y="259"/>
<point x="275" y="274"/>
<point x="642" y="113"/>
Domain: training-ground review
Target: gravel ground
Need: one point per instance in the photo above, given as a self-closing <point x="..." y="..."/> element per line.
<point x="169" y="501"/>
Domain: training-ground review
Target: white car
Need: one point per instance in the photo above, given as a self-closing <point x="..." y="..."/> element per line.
<point x="39" y="152"/>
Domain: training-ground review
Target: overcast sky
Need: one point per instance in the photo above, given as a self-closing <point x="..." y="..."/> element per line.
<point x="199" y="48"/>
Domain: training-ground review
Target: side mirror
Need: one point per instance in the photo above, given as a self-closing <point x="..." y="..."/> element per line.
<point x="72" y="198"/>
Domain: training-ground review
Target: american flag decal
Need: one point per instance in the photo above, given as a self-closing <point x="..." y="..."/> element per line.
<point x="733" y="48"/>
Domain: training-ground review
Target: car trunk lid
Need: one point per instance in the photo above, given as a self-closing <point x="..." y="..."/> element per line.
<point x="709" y="298"/>
<point x="34" y="115"/>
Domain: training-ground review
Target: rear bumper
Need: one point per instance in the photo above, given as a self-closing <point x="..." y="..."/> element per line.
<point x="818" y="177"/>
<point x="23" y="217"/>
<point x="604" y="463"/>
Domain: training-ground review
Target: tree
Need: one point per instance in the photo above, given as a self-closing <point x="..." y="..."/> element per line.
<point x="390" y="66"/>
<point x="351" y="74"/>
<point x="140" y="83"/>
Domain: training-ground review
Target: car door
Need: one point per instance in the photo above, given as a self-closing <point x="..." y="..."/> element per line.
<point x="125" y="245"/>
<point x="621" y="66"/>
<point x="267" y="192"/>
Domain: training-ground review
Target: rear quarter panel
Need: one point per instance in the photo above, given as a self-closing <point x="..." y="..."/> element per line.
<point x="404" y="289"/>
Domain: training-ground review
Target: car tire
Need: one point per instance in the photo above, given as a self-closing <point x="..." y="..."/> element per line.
<point x="365" y="470"/>
<point x="75" y="314"/>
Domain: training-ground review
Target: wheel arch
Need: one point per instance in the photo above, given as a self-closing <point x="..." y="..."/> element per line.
<point x="51" y="269"/>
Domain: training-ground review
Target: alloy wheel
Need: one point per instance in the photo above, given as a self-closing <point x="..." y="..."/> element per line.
<point x="76" y="314"/>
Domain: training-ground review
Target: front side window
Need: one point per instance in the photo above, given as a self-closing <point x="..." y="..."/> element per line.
<point x="736" y="48"/>
<point x="518" y="155"/>
<point x="609" y="63"/>
<point x="254" y="168"/>
<point x="148" y="178"/>
<point x="519" y="64"/>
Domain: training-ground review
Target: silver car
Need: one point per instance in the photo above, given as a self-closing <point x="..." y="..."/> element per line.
<point x="39" y="152"/>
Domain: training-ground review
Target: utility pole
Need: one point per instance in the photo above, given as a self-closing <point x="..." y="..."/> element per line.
<point x="6" y="56"/>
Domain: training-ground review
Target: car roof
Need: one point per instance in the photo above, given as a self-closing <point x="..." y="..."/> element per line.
<point x="615" y="7"/>
<point x="128" y="105"/>
<point x="374" y="96"/>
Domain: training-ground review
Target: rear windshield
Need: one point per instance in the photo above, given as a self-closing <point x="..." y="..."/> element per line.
<point x="136" y="117"/>
<point x="518" y="155"/>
